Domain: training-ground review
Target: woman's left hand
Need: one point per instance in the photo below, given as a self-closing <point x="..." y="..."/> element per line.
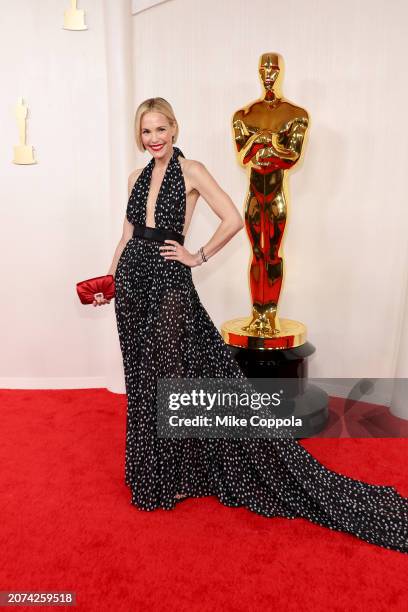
<point x="175" y="250"/>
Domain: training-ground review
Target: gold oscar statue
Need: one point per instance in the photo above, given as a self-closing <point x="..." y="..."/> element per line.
<point x="268" y="135"/>
<point x="23" y="153"/>
<point x="74" y="19"/>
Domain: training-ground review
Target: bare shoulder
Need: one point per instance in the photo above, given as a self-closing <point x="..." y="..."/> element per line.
<point x="189" y="164"/>
<point x="199" y="179"/>
<point x="192" y="168"/>
<point x="133" y="176"/>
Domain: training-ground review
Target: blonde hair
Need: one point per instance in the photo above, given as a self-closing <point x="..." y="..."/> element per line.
<point x="159" y="105"/>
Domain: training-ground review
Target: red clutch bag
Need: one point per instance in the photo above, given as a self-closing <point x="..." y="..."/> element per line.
<point x="100" y="286"/>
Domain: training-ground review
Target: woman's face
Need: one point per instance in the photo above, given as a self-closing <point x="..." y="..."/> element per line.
<point x="157" y="134"/>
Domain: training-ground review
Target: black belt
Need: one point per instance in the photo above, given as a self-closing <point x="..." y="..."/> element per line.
<point x="157" y="233"/>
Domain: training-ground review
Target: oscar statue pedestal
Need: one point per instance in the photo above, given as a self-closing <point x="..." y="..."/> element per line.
<point x="281" y="355"/>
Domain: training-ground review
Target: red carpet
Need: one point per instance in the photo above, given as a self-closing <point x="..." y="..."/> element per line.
<point x="67" y="524"/>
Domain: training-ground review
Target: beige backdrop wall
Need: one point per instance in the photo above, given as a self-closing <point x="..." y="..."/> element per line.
<point x="345" y="248"/>
<point x="54" y="227"/>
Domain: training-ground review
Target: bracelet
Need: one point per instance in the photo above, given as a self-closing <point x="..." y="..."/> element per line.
<point x="203" y="257"/>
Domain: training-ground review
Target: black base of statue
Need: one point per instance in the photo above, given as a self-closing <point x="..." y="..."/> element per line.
<point x="311" y="402"/>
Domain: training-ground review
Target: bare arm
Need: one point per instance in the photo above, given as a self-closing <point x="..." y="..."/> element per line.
<point x="126" y="235"/>
<point x="127" y="232"/>
<point x="221" y="204"/>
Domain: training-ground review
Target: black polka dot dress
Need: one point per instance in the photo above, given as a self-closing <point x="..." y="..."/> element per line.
<point x="165" y="332"/>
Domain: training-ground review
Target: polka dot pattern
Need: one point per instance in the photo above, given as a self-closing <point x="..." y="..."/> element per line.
<point x="164" y="332"/>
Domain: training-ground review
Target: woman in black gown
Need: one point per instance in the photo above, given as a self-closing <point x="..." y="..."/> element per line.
<point x="165" y="332"/>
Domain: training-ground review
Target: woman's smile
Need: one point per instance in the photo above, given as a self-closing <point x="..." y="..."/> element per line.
<point x="157" y="147"/>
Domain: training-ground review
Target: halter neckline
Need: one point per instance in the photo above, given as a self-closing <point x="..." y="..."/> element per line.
<point x="173" y="157"/>
<point x="170" y="205"/>
<point x="163" y="185"/>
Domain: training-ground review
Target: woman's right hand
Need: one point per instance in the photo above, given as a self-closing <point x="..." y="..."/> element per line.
<point x="100" y="301"/>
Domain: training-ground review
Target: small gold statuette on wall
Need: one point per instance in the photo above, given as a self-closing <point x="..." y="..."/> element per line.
<point x="23" y="153"/>
<point x="74" y="19"/>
